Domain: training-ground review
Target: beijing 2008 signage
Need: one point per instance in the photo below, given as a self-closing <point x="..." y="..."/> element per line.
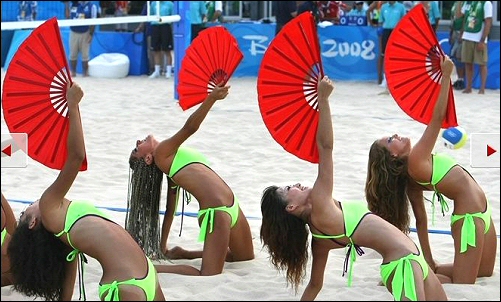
<point x="353" y="20"/>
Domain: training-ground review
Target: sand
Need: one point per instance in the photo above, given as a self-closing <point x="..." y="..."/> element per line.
<point x="116" y="112"/>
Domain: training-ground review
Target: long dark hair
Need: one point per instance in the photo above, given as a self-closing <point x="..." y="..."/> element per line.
<point x="386" y="187"/>
<point x="143" y="202"/>
<point x="285" y="236"/>
<point x="37" y="262"/>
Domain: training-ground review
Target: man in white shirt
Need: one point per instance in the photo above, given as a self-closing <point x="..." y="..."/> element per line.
<point x="476" y="29"/>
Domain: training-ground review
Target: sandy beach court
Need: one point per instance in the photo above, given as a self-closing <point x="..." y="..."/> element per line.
<point x="117" y="112"/>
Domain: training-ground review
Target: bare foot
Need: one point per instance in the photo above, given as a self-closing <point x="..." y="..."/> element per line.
<point x="467" y="91"/>
<point x="481" y="91"/>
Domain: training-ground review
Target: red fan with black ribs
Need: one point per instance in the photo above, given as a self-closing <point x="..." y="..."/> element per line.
<point x="287" y="87"/>
<point x="210" y="60"/>
<point x="412" y="68"/>
<point x="34" y="95"/>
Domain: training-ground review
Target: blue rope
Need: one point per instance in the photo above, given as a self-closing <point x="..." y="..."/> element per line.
<point x="195" y="214"/>
<point x="188" y="214"/>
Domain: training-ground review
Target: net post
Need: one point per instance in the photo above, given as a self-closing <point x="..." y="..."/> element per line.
<point x="182" y="34"/>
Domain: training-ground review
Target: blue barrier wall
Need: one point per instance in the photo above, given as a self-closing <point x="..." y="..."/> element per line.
<point x="348" y="52"/>
<point x="130" y="44"/>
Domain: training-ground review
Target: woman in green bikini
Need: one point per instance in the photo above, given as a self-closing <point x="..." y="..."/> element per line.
<point x="53" y="231"/>
<point x="9" y="225"/>
<point x="224" y="229"/>
<point x="290" y="211"/>
<point x="397" y="173"/>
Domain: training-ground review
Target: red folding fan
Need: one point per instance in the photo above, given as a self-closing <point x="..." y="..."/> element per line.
<point x="34" y="95"/>
<point x="287" y="87"/>
<point x="412" y="68"/>
<point x="209" y="61"/>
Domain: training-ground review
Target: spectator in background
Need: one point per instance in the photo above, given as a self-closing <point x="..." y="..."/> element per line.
<point x="332" y="10"/>
<point x="198" y="13"/>
<point x="476" y="29"/>
<point x="373" y="15"/>
<point x="122" y="10"/>
<point x="391" y="13"/>
<point x="214" y="11"/>
<point x="161" y="38"/>
<point x="27" y="11"/>
<point x="358" y="10"/>
<point x="145" y="27"/>
<point x="107" y="8"/>
<point x="67" y="7"/>
<point x="408" y="5"/>
<point x="80" y="36"/>
<point x="309" y="6"/>
<point x="433" y="12"/>
<point x="456" y="28"/>
<point x="284" y="12"/>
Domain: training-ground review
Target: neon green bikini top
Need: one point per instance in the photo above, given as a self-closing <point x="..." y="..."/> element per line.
<point x="77" y="210"/>
<point x="353" y="213"/>
<point x="184" y="157"/>
<point x="441" y="165"/>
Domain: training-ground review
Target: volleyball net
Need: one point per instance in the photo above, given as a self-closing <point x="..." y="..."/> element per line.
<point x="15" y="25"/>
<point x="13" y="18"/>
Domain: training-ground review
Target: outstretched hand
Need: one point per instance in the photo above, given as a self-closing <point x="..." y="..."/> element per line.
<point x="219" y="92"/>
<point x="74" y="94"/>
<point x="177" y="252"/>
<point x="446" y="65"/>
<point x="325" y="88"/>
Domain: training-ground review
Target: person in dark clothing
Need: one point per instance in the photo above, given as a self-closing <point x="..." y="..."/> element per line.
<point x="309" y="6"/>
<point x="284" y="12"/>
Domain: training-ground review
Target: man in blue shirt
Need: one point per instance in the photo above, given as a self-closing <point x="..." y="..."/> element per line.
<point x="80" y="36"/>
<point x="27" y="11"/>
<point x="433" y="11"/>
<point x="391" y="13"/>
<point x="198" y="12"/>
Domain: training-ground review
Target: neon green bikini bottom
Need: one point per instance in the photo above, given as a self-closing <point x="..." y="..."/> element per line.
<point x="468" y="230"/>
<point x="403" y="279"/>
<point x="147" y="284"/>
<point x="209" y="214"/>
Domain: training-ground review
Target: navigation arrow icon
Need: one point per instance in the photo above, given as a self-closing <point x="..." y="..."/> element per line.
<point x="490" y="150"/>
<point x="7" y="150"/>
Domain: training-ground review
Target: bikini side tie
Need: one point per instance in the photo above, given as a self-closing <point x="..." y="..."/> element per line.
<point x="112" y="289"/>
<point x="352" y="251"/>
<point x="207" y="220"/>
<point x="468" y="234"/>
<point x="403" y="269"/>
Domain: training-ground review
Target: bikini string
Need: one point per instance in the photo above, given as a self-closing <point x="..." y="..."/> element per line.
<point x="81" y="283"/>
<point x="187" y="198"/>
<point x="353" y="253"/>
<point x="444" y="206"/>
